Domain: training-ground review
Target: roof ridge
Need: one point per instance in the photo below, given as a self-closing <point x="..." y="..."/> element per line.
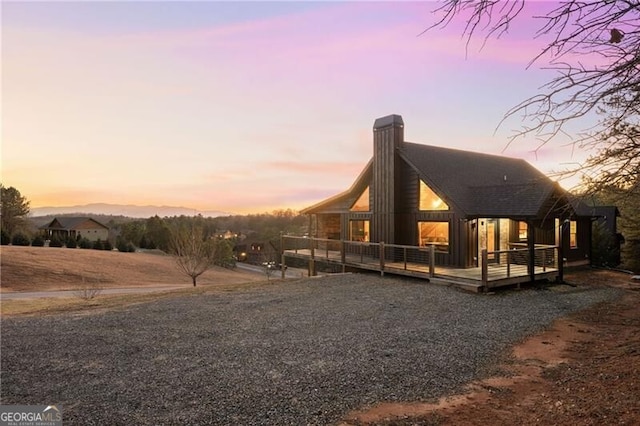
<point x="464" y="151"/>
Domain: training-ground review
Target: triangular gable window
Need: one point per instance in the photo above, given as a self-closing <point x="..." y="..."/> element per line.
<point x="429" y="200"/>
<point x="362" y="203"/>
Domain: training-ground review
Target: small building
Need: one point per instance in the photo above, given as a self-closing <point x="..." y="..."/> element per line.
<point x="77" y="228"/>
<point x="460" y="202"/>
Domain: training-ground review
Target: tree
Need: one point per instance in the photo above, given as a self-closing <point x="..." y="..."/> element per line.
<point x="194" y="252"/>
<point x="14" y="207"/>
<point x="608" y="83"/>
<point x="628" y="202"/>
<point x="224" y="253"/>
<point x="157" y="233"/>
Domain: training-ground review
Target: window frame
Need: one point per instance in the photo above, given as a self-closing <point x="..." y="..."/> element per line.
<point x="443" y="206"/>
<point x="366" y="230"/>
<point x="521" y="231"/>
<point x="355" y="208"/>
<point x="573" y="234"/>
<point x="440" y="245"/>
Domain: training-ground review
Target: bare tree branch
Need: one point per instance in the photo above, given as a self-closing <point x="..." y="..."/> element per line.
<point x="594" y="49"/>
<point x="193" y="251"/>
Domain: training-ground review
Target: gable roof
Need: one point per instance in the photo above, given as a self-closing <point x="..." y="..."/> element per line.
<point x="481" y="184"/>
<point x="70" y="223"/>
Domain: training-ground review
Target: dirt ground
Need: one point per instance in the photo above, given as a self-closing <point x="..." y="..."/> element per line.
<point x="583" y="370"/>
<point x="53" y="268"/>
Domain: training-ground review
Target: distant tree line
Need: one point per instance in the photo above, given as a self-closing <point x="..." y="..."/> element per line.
<point x="155" y="232"/>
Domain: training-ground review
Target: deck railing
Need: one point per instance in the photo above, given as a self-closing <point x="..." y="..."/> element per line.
<point x="501" y="264"/>
<point x="378" y="256"/>
<point x="494" y="265"/>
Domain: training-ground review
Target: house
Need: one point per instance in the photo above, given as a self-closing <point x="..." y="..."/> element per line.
<point x="76" y="227"/>
<point x="460" y="202"/>
<point x="256" y="252"/>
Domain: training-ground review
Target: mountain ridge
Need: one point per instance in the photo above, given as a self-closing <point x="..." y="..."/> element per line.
<point x="129" y="210"/>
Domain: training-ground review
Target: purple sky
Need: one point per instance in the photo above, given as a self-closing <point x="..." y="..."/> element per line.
<point x="243" y="106"/>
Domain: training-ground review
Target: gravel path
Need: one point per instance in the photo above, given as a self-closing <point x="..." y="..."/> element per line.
<point x="304" y="352"/>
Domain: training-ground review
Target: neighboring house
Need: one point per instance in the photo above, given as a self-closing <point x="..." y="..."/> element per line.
<point x="76" y="227"/>
<point x="460" y="201"/>
<point x="256" y="252"/>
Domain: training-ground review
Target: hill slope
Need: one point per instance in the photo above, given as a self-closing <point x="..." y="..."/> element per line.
<point x="49" y="268"/>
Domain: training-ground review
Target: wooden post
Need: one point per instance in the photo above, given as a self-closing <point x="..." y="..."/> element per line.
<point x="282" y="261"/>
<point x="343" y="256"/>
<point x="432" y="260"/>
<point x="381" y="258"/>
<point x="508" y="263"/>
<point x="312" y="263"/>
<point x="485" y="268"/>
<point x="531" y="245"/>
<point x="405" y="258"/>
<point x="560" y="251"/>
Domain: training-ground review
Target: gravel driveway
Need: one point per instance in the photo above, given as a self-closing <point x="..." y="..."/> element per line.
<point x="304" y="352"/>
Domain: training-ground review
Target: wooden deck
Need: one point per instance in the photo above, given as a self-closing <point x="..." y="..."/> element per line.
<point x="474" y="279"/>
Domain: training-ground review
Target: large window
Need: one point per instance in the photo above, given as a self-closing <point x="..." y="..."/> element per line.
<point x="359" y="230"/>
<point x="362" y="203"/>
<point x="434" y="233"/>
<point x="429" y="200"/>
<point x="573" y="234"/>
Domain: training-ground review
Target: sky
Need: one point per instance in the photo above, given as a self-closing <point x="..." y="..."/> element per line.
<point x="245" y="107"/>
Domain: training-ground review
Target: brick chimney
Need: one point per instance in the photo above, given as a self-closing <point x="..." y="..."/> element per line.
<point x="388" y="134"/>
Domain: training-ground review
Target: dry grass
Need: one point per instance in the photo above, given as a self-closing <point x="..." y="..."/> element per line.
<point x="50" y="269"/>
<point x="48" y="306"/>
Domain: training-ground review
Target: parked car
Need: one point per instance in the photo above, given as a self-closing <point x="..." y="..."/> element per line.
<point x="273" y="265"/>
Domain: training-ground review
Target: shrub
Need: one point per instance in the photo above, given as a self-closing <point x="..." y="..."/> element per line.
<point x="55" y="241"/>
<point x="88" y="290"/>
<point x="85" y="243"/>
<point x="106" y="245"/>
<point x="20" y="239"/>
<point x="37" y="241"/>
<point x="124" y="246"/>
<point x="4" y="238"/>
<point x="71" y="243"/>
<point x="97" y="244"/>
